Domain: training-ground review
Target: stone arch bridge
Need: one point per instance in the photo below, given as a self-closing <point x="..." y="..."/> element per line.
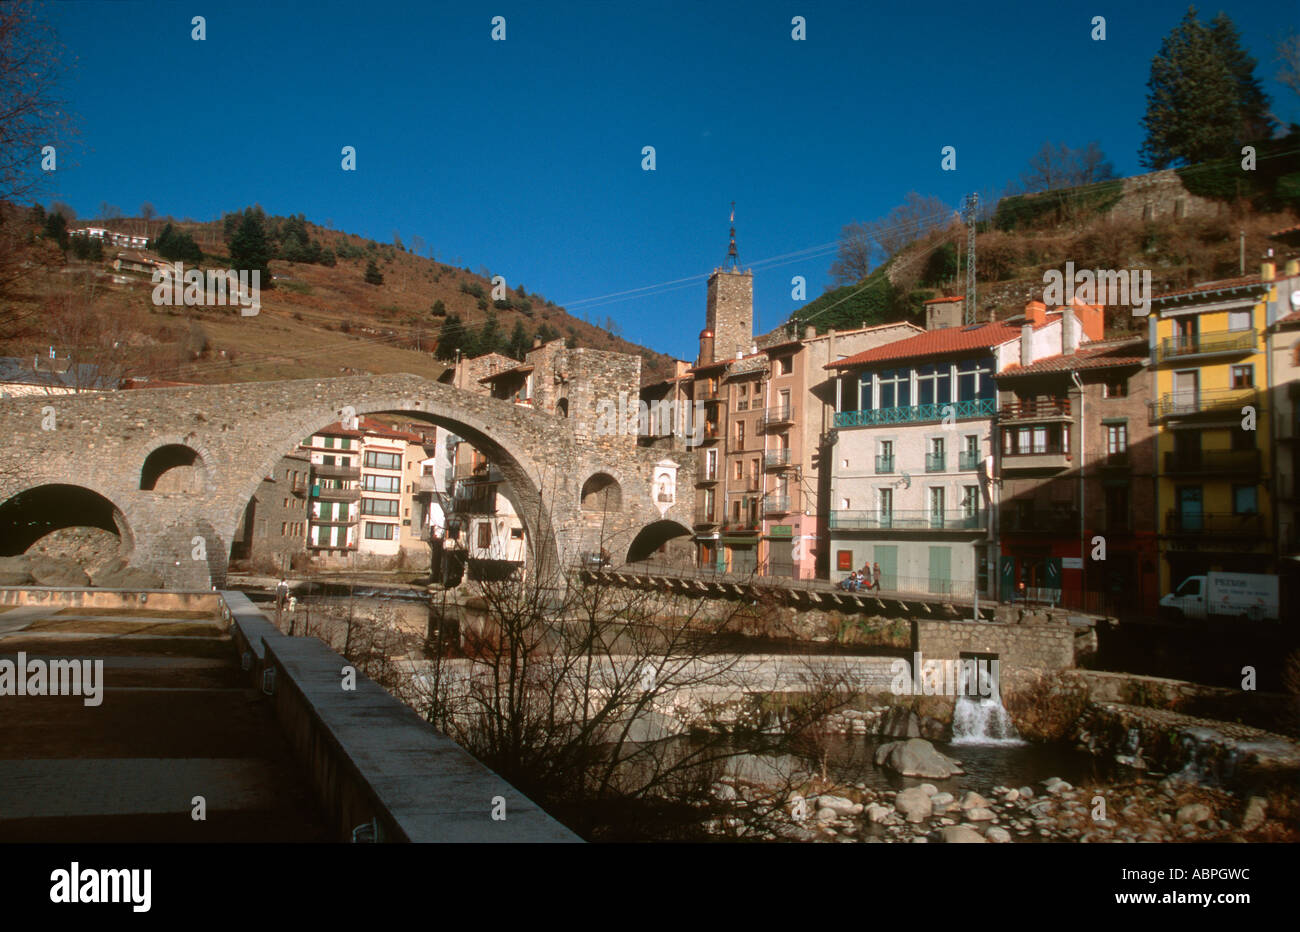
<point x="59" y="450"/>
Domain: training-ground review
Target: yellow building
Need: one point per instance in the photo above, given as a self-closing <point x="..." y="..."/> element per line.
<point x="1214" y="446"/>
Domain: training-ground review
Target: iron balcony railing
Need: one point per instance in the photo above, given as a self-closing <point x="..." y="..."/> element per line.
<point x="936" y="462"/>
<point x="742" y="525"/>
<point x="907" y="520"/>
<point x="1213" y="524"/>
<point x="336" y="472"/>
<point x="325" y="494"/>
<point x="477" y="472"/>
<point x="1115" y="461"/>
<point x="966" y="460"/>
<point x="335" y="522"/>
<point x="781" y="414"/>
<point x="884" y="463"/>
<point x="427" y="484"/>
<point x="1213" y="462"/>
<point x="1207" y="344"/>
<point x="474" y="505"/>
<point x="778" y="504"/>
<point x="1186" y="404"/>
<point x="1035" y="409"/>
<point x="982" y="407"/>
<point x="775" y="459"/>
<point x="709" y="476"/>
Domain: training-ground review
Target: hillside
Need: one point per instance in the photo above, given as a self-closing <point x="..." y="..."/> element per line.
<point x="1184" y="225"/>
<point x="318" y="320"/>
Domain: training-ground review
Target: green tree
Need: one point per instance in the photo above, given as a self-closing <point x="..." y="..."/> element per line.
<point x="519" y="344"/>
<point x="1204" y="101"/>
<point x="56" y="228"/>
<point x="439" y="309"/>
<point x="488" y="339"/>
<point x="373" y="275"/>
<point x="451" y="338"/>
<point x="250" y="250"/>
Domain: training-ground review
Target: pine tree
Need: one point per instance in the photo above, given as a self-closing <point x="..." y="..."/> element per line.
<point x="373" y="275"/>
<point x="1204" y="101"/>
<point x="249" y="248"/>
<point x="519" y="344"/>
<point x="451" y="338"/>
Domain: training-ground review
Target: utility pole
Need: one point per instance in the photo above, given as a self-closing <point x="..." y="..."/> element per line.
<point x="970" y="205"/>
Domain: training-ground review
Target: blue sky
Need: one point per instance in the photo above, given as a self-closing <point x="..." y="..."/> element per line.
<point x="525" y="155"/>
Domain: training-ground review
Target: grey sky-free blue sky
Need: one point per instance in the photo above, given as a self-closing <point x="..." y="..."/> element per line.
<point x="525" y="155"/>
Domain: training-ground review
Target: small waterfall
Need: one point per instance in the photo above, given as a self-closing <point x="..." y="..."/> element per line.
<point x="977" y="720"/>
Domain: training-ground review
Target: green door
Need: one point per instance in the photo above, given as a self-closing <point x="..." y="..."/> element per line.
<point x="1007" y="574"/>
<point x="887" y="557"/>
<point x="941" y="570"/>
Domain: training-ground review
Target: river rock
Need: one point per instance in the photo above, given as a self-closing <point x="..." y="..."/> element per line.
<point x="961" y="835"/>
<point x="877" y="813"/>
<point x="46" y="571"/>
<point x="981" y="814"/>
<point x="15" y="571"/>
<point x="839" y="805"/>
<point x="1194" y="812"/>
<point x="914" y="804"/>
<point x="929" y="788"/>
<point x="826" y="814"/>
<point x="941" y="801"/>
<point x="116" y="574"/>
<point x="999" y="836"/>
<point x="724" y="793"/>
<point x="973" y="800"/>
<point x="900" y="722"/>
<point x="916" y="757"/>
<point x="1025" y="792"/>
<point x="1256" y="810"/>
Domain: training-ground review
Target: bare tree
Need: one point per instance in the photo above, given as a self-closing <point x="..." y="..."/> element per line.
<point x="910" y="221"/>
<point x="853" y="263"/>
<point x="1288" y="58"/>
<point x="148" y="213"/>
<point x="94" y="341"/>
<point x="1058" y="166"/>
<point x="32" y="116"/>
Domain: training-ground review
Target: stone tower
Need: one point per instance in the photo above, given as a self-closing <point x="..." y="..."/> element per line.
<point x="730" y="309"/>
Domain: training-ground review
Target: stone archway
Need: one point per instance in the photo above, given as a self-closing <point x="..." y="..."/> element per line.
<point x="65" y="521"/>
<point x="648" y="541"/>
<point x="173" y="467"/>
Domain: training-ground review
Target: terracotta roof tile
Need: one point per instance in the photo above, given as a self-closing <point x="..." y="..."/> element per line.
<point x="1245" y="280"/>
<point x="1101" y="355"/>
<point x="941" y="343"/>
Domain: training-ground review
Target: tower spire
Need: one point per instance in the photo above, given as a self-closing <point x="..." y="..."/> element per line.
<point x="732" y="256"/>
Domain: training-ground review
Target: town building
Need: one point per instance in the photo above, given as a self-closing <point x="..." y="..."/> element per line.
<point x="272" y="532"/>
<point x="912" y="485"/>
<point x="1215" y="442"/>
<point x="1284" y="401"/>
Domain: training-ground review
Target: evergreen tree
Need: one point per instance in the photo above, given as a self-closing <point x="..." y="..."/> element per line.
<point x="250" y="250"/>
<point x="439" y="309"/>
<point x="519" y="344"/>
<point x="488" y="339"/>
<point x="451" y="338"/>
<point x="56" y="228"/>
<point x="1204" y="101"/>
<point x="373" y="275"/>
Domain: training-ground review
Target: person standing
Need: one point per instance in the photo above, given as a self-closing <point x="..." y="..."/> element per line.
<point x="867" y="576"/>
<point x="875" y="575"/>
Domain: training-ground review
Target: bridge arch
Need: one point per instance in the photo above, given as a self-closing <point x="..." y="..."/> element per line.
<point x="28" y="516"/>
<point x="601" y="492"/>
<point x="653" y="536"/>
<point x="174" y="467"/>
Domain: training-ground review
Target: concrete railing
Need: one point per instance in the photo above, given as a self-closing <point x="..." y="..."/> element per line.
<point x="373" y="763"/>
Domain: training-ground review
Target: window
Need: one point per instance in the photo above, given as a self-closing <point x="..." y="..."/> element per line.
<point x="886" y="507"/>
<point x="708" y="504"/>
<point x="1116" y="440"/>
<point x="970" y="501"/>
<point x="1243" y="376"/>
<point x="755" y="468"/>
<point x="284" y="528"/>
<point x="711" y="463"/>
<point x="864" y="392"/>
<point x="844" y="559"/>
<point x="1117" y="508"/>
<point x="1239" y="320"/>
<point x="484" y="535"/>
<point x="936" y="506"/>
<point x="974" y="380"/>
<point x="740" y="436"/>
<point x="784" y="365"/>
<point x="329" y="443"/>
<point x="934" y="384"/>
<point x="516" y="533"/>
<point x="1115" y="388"/>
<point x="373" y="483"/>
<point x="379" y="506"/>
<point x="376" y="531"/>
<point x="936" y="446"/>
<point x="742" y="400"/>
<point x="1245" y="500"/>
<point x="1243" y="439"/>
<point x="375" y="460"/>
<point x="895" y="388"/>
<point x="738" y="470"/>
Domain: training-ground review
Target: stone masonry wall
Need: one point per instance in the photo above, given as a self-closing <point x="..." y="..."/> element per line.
<point x="1048" y="646"/>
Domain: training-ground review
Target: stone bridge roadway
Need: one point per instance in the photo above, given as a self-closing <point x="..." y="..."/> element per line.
<point x="55" y="448"/>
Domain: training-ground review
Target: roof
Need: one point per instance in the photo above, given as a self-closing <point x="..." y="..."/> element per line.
<point x="947" y="300"/>
<point x="369" y="427"/>
<point x="16" y="370"/>
<point x="1224" y="284"/>
<point x="1103" y="354"/>
<point x="522" y="369"/>
<point x="944" y="342"/>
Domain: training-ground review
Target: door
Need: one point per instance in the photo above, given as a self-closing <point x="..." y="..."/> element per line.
<point x="887" y="557"/>
<point x="1189" y="508"/>
<point x="941" y="570"/>
<point x="779" y="558"/>
<point x="1007" y="578"/>
<point x="1186" y="391"/>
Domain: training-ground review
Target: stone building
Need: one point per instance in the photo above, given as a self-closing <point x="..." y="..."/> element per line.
<point x="272" y="532"/>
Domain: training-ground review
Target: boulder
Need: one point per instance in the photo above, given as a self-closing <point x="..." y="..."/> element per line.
<point x="826" y="814"/>
<point x="877" y="813"/>
<point x="914" y="804"/>
<point x="980" y="814"/>
<point x="15" y="571"/>
<point x="47" y="571"/>
<point x="900" y="722"/>
<point x="1194" y="812"/>
<point x="916" y="757"/>
<point x="961" y="835"/>
<point x="999" y="836"/>
<point x="941" y="801"/>
<point x="116" y="574"/>
<point x="1256" y="810"/>
<point x="929" y="788"/>
<point x="973" y="800"/>
<point x="841" y="806"/>
<point x="724" y="793"/>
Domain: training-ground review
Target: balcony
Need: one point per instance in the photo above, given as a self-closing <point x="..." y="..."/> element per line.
<point x="777" y="459"/>
<point x="708" y="478"/>
<point x="774" y="417"/>
<point x="705" y="392"/>
<point x="335" y="495"/>
<point x="884" y="464"/>
<point x="915" y="414"/>
<point x="474" y="505"/>
<point x="1213" y="462"/>
<point x="336" y="472"/>
<point x="477" y="472"/>
<point x="1047" y="409"/>
<point x="968" y="461"/>
<point x="709" y="434"/>
<point x="346" y="547"/>
<point x="426" y="484"/>
<point x="913" y="520"/>
<point x="936" y="462"/>
<point x="1115" y="462"/>
<point x="1191" y="404"/>
<point x="1233" y="343"/>
<point x="1050" y="456"/>
<point x="1063" y="522"/>
<point x="780" y="504"/>
<point x="335" y="522"/>
<point x="705" y="518"/>
<point x="740" y="526"/>
<point x="1213" y="525"/>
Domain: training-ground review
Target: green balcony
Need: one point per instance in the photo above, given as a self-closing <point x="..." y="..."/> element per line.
<point x="884" y="464"/>
<point x="917" y="414"/>
<point x="936" y="462"/>
<point x="908" y="520"/>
